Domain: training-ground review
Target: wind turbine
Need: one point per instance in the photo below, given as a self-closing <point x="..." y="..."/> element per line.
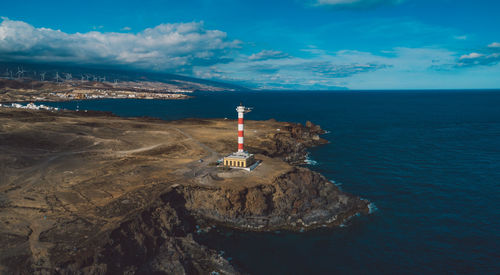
<point x="57" y="77"/>
<point x="68" y="76"/>
<point x="20" y="72"/>
<point x="42" y="76"/>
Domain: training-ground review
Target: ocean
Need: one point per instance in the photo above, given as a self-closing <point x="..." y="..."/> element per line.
<point x="429" y="161"/>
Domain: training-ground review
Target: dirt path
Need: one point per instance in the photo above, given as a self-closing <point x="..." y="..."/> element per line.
<point x="138" y="150"/>
<point x="200" y="169"/>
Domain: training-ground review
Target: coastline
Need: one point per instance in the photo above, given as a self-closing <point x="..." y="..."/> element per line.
<point x="26" y="90"/>
<point x="156" y="221"/>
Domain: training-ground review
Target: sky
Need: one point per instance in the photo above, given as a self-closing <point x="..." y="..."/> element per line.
<point x="279" y="44"/>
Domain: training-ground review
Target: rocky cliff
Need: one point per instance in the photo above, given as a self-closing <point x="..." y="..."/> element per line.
<point x="290" y="143"/>
<point x="159" y="240"/>
<point x="300" y="199"/>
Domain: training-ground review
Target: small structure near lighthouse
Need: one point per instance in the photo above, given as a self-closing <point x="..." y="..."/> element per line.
<point x="241" y="158"/>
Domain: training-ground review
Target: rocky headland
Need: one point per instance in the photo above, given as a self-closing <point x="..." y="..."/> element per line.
<point x="91" y="193"/>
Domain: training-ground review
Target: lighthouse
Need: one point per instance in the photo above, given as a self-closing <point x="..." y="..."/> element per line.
<point x="241" y="158"/>
<point x="241" y="112"/>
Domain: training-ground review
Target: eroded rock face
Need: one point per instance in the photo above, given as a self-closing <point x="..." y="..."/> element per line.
<point x="157" y="241"/>
<point x="291" y="143"/>
<point x="299" y="199"/>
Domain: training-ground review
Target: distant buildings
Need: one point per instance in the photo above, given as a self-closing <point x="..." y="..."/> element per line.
<point x="30" y="106"/>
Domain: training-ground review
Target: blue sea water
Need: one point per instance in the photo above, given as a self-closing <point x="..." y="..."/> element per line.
<point x="428" y="160"/>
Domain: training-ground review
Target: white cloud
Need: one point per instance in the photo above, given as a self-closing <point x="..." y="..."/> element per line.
<point x="483" y="57"/>
<point x="329" y="70"/>
<point x="471" y="56"/>
<point x="173" y="47"/>
<point x="355" y="3"/>
<point x="494" y="45"/>
<point x="126" y="28"/>
<point x="460" y="37"/>
<point x="267" y="54"/>
<point x="192" y="49"/>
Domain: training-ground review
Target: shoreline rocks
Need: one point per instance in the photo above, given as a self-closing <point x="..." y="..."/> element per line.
<point x="160" y="238"/>
<point x="300" y="199"/>
<point x="291" y="143"/>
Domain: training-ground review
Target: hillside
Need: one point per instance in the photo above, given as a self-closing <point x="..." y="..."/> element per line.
<point x="63" y="73"/>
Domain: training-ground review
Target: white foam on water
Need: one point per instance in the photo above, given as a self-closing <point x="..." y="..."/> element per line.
<point x="372" y="208"/>
<point x="336" y="183"/>
<point x="310" y="161"/>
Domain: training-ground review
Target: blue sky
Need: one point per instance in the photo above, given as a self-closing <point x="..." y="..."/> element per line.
<point x="295" y="44"/>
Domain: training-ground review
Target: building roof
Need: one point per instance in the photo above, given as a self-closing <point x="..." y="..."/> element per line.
<point x="240" y="155"/>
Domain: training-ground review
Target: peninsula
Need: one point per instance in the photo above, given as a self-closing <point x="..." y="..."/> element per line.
<point x="89" y="192"/>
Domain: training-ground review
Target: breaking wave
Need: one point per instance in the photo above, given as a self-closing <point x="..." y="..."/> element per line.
<point x="338" y="184"/>
<point x="310" y="161"/>
<point x="372" y="208"/>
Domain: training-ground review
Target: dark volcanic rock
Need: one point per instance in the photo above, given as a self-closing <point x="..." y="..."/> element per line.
<point x="292" y="143"/>
<point x="157" y="241"/>
<point x="299" y="199"/>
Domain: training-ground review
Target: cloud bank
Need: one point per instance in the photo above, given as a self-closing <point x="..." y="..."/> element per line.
<point x="487" y="56"/>
<point x="191" y="49"/>
<point x="321" y="70"/>
<point x="166" y="47"/>
<point x="494" y="45"/>
<point x="267" y="54"/>
<point x="186" y="48"/>
<point x="356" y="3"/>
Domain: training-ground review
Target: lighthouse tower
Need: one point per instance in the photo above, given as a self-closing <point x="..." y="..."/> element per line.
<point x="241" y="158"/>
<point x="241" y="112"/>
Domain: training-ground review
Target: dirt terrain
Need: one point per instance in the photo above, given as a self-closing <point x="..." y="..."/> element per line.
<point x="88" y="192"/>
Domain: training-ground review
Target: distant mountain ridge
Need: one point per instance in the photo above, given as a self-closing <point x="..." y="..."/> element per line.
<point x="49" y="72"/>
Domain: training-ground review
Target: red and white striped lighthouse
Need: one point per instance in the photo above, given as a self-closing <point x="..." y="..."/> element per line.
<point x="241" y="159"/>
<point x="241" y="111"/>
